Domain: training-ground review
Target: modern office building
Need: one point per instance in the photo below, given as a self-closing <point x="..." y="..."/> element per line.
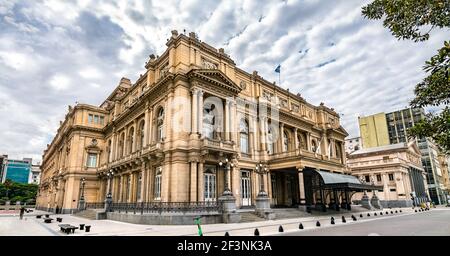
<point x="18" y="170"/>
<point x="390" y="128"/>
<point x="192" y="131"/>
<point x="3" y="160"/>
<point x="35" y="174"/>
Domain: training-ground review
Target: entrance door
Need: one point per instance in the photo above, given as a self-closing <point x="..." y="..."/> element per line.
<point x="246" y="189"/>
<point x="274" y="197"/>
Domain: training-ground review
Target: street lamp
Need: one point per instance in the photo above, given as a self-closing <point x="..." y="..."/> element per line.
<point x="110" y="175"/>
<point x="261" y="169"/>
<point x="227" y="165"/>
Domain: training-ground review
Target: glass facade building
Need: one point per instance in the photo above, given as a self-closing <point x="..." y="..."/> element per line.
<point x="18" y="170"/>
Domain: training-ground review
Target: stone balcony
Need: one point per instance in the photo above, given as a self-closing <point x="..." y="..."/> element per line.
<point x="217" y="145"/>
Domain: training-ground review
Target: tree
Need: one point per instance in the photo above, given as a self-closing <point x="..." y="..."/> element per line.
<point x="414" y="20"/>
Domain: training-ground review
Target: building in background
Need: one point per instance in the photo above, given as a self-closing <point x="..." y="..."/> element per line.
<point x="35" y="174"/>
<point x="3" y="159"/>
<point x="391" y="128"/>
<point x="353" y="144"/>
<point x="18" y="170"/>
<point x="397" y="168"/>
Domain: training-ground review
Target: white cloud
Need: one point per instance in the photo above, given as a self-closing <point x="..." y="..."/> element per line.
<point x="327" y="50"/>
<point x="60" y="82"/>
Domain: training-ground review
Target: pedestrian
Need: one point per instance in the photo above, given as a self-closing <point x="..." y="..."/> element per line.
<point x="428" y="205"/>
<point x="22" y="210"/>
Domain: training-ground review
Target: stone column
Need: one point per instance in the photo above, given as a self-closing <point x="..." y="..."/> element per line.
<point x="151" y="127"/>
<point x="232" y="124"/>
<point x="194" y="110"/>
<point x="193" y="183"/>
<point x="227" y="120"/>
<point x="296" y="139"/>
<point x="133" y="146"/>
<point x="143" y="183"/>
<point x="121" y="189"/>
<point x="263" y="129"/>
<point x="308" y="141"/>
<point x="386" y="187"/>
<point x="200" y="112"/>
<point x="255" y="136"/>
<point x="113" y="148"/>
<point x="282" y="137"/>
<point x="301" y="186"/>
<point x="146" y="125"/>
<point x="200" y="182"/>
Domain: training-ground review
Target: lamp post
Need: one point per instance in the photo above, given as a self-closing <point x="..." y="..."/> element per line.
<point x="108" y="201"/>
<point x="227" y="165"/>
<point x="261" y="169"/>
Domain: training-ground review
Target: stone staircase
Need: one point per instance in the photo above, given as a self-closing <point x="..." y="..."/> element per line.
<point x="90" y="214"/>
<point x="250" y="217"/>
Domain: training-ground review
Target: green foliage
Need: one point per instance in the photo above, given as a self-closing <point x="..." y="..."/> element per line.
<point x="406" y="18"/>
<point x="17" y="192"/>
<point x="414" y="19"/>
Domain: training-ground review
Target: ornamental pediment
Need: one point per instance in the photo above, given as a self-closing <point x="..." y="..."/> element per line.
<point x="216" y="77"/>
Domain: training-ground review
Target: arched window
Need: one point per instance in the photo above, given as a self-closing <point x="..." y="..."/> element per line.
<point x="121" y="141"/>
<point x="285" y="142"/>
<point x="160" y="125"/>
<point x="130" y="140"/>
<point x="313" y="146"/>
<point x="270" y="140"/>
<point x="243" y="132"/>
<point x="141" y="134"/>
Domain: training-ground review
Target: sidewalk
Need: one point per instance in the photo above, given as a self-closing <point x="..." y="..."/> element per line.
<point x="11" y="225"/>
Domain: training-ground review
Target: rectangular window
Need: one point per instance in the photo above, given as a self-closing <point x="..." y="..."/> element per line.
<point x="378" y="177"/>
<point x="102" y="119"/>
<point x="91" y="160"/>
<point x="96" y="119"/>
<point x="392" y="190"/>
<point x="391" y="176"/>
<point x="90" y="118"/>
<point x="367" y="178"/>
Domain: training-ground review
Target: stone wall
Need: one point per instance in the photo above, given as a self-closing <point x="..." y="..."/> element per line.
<point x="165" y="219"/>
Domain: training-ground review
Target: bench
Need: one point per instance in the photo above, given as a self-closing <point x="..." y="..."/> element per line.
<point x="38" y="216"/>
<point x="48" y="220"/>
<point x="66" y="228"/>
<point x="47" y="215"/>
<point x="58" y="219"/>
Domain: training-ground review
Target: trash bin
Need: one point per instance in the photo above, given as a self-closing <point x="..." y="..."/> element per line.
<point x="88" y="228"/>
<point x="81" y="226"/>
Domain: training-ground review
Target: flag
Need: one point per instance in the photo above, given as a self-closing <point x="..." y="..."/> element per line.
<point x="278" y="69"/>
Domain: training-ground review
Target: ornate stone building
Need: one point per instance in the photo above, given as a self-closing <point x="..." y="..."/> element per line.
<point x="397" y="168"/>
<point x="171" y="136"/>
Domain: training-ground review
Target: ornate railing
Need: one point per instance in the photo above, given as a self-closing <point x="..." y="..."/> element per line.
<point x="167" y="207"/>
<point x="94" y="205"/>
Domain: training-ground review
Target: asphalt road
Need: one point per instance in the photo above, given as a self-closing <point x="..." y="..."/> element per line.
<point x="430" y="223"/>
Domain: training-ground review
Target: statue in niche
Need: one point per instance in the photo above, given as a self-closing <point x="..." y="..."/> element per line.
<point x="208" y="121"/>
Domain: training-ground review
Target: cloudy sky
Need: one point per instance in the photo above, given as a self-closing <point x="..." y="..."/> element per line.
<point x="55" y="53"/>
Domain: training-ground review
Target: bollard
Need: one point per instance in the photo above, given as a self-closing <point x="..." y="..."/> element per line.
<point x="256" y="232"/>
<point x="88" y="228"/>
<point x="317" y="224"/>
<point x="375" y="214"/>
<point x="343" y="219"/>
<point x="392" y="212"/>
<point x="381" y="213"/>
<point x="415" y="210"/>
<point x="400" y="210"/>
<point x="368" y="215"/>
<point x="353" y="216"/>
<point x="300" y="226"/>
<point x="396" y="211"/>
<point x="361" y="215"/>
<point x="81" y="226"/>
<point x="332" y="220"/>
<point x="387" y="212"/>
<point x="280" y="229"/>
<point x="226" y="234"/>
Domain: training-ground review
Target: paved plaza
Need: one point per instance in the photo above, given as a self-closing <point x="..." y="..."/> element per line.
<point x="406" y="223"/>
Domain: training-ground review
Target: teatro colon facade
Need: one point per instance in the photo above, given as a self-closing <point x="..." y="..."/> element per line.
<point x="195" y="131"/>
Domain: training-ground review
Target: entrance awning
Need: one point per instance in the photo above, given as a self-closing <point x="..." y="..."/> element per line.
<point x="343" y="181"/>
